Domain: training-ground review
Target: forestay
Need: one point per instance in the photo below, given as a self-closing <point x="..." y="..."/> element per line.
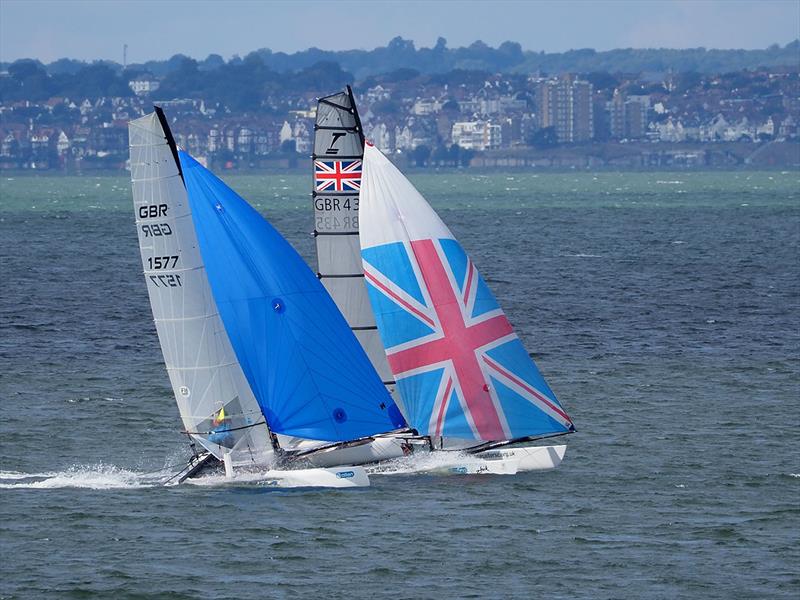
<point x="460" y="369"/>
<point x="307" y="371"/>
<point x="338" y="153"/>
<point x="215" y="402"/>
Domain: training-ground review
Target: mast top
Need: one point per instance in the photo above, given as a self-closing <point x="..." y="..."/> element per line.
<point x="170" y="139"/>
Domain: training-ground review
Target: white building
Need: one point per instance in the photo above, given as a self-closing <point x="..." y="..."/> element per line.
<point x="767" y="128"/>
<point x="379" y="135"/>
<point x="8" y="145"/>
<point x="403" y="139"/>
<point x="63" y="144"/>
<point x="302" y="137"/>
<point x="671" y="131"/>
<point x="286" y="133"/>
<point x="214" y="142"/>
<point x="476" y="135"/>
<point x="374" y="94"/>
<point x="426" y="107"/>
<point x="144" y="84"/>
<point x="714" y="130"/>
<point x="244" y="141"/>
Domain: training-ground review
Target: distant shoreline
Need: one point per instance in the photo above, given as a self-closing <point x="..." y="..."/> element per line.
<point x="53" y="173"/>
<point x="595" y="156"/>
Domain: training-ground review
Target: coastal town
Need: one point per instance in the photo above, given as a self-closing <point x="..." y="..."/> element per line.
<point x="460" y="118"/>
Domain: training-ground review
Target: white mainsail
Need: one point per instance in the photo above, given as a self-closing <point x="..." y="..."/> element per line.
<point x="338" y="153"/>
<point x="215" y="401"/>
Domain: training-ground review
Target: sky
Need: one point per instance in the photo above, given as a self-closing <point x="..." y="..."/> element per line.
<point x="157" y="29"/>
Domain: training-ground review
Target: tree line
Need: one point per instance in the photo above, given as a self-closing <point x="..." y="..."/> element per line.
<point x="239" y="86"/>
<point x="508" y="57"/>
<point x="242" y="84"/>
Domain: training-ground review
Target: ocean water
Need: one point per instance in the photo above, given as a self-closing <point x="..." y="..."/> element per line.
<point x="661" y="307"/>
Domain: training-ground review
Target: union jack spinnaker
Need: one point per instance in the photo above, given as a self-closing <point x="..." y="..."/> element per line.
<point x="460" y="369"/>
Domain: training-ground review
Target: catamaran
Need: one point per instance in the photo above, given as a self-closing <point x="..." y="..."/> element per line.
<point x="257" y="353"/>
<point x="457" y="372"/>
<point x="266" y="370"/>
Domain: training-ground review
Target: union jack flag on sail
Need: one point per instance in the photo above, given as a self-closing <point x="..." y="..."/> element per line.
<point x="460" y="369"/>
<point x="337" y="175"/>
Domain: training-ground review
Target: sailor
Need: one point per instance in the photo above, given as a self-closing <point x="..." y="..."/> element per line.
<point x="220" y="432"/>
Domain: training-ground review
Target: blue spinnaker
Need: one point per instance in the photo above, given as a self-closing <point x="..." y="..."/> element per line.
<point x="307" y="370"/>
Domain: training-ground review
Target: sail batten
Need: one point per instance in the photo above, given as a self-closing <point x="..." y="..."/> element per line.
<point x="461" y="370"/>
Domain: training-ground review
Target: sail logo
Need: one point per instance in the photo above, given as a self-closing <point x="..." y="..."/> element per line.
<point x="337" y="175"/>
<point x="334" y="138"/>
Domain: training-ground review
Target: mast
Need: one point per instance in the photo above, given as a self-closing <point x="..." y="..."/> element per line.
<point x="337" y="163"/>
<point x="359" y="128"/>
<point x="173" y="147"/>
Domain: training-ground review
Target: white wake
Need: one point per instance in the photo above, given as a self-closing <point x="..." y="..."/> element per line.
<point x="97" y="477"/>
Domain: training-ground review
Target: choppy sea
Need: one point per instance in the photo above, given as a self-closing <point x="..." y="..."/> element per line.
<point x="663" y="308"/>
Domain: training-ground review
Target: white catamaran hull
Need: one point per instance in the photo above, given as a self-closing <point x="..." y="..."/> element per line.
<point x="529" y="458"/>
<point x="476" y="466"/>
<point x="503" y="461"/>
<point x="507" y="461"/>
<point x="340" y="477"/>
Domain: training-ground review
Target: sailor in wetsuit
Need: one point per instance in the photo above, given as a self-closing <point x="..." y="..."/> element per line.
<point x="220" y="432"/>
